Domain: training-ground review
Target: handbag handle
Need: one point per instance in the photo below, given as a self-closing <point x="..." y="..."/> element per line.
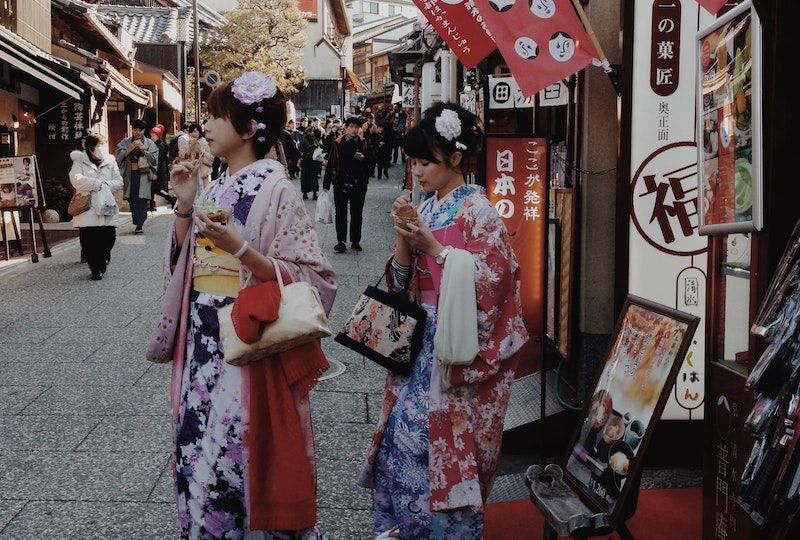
<point x="278" y="276"/>
<point x="405" y="285"/>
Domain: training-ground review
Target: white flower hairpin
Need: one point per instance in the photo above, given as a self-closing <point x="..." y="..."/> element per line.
<point x="253" y="86"/>
<point x="448" y="124"/>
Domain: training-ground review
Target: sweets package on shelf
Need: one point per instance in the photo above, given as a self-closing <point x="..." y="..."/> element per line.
<point x="770" y="483"/>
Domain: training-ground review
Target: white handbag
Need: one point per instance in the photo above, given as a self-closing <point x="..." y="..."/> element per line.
<point x="318" y="154"/>
<point x="301" y="319"/>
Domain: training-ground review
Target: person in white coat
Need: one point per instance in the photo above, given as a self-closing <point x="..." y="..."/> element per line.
<point x="95" y="171"/>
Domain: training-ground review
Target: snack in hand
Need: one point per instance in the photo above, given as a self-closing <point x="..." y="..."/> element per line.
<point x="405" y="215"/>
<point x="212" y="210"/>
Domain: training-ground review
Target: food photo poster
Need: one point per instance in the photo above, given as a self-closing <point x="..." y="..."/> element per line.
<point x="646" y="352"/>
<point x="729" y="123"/>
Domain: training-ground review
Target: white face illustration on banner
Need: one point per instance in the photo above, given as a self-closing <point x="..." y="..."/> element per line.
<point x="452" y="2"/>
<point x="562" y="46"/>
<point x="726" y="133"/>
<point x="526" y="48"/>
<point x="501" y="5"/>
<point x="543" y="8"/>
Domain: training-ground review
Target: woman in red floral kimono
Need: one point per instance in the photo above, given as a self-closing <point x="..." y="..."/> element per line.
<point x="434" y="454"/>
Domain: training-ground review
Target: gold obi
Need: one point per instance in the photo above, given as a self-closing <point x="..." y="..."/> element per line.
<point x="215" y="271"/>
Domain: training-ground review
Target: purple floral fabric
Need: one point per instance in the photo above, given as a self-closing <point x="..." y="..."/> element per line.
<point x="210" y="456"/>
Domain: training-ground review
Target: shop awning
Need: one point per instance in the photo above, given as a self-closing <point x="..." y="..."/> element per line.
<point x="168" y="86"/>
<point x="24" y="56"/>
<point x="355" y="83"/>
<point x="124" y="87"/>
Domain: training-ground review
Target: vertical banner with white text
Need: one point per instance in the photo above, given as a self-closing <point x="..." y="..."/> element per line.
<point x="667" y="257"/>
<point x="516" y="183"/>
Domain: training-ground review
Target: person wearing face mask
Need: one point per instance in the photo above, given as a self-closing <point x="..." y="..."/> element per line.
<point x="94" y="171"/>
<point x="137" y="158"/>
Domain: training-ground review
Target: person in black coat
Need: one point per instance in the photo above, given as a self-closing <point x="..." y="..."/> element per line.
<point x="310" y="168"/>
<point x="290" y="151"/>
<point x="347" y="172"/>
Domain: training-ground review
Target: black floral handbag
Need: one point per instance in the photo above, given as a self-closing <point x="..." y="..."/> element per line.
<point x="385" y="327"/>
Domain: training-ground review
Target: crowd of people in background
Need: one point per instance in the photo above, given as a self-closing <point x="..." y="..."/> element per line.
<point x="342" y="153"/>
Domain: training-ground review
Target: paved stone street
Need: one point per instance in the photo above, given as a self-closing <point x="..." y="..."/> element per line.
<point x="85" y="431"/>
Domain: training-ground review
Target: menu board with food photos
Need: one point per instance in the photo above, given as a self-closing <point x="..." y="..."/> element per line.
<point x="729" y="127"/>
<point x="18" y="182"/>
<point x="646" y="352"/>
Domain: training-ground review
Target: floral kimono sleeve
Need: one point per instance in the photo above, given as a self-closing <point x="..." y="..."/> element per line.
<point x="500" y="328"/>
<point x="296" y="245"/>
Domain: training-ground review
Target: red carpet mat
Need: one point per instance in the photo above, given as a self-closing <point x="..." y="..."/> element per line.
<point x="662" y="514"/>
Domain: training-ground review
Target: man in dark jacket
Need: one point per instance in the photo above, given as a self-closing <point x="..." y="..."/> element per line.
<point x="347" y="172"/>
<point x="290" y="150"/>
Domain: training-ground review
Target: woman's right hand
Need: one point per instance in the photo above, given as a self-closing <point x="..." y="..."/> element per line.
<point x="402" y="200"/>
<point x="182" y="180"/>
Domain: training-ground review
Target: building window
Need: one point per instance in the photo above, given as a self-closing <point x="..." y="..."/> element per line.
<point x="373" y="8"/>
<point x="393" y="10"/>
<point x="8" y="14"/>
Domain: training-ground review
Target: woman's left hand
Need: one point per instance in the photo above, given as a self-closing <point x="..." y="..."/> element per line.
<point x="224" y="235"/>
<point x="420" y="238"/>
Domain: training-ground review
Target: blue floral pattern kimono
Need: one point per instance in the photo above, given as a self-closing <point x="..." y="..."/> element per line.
<point x="402" y="490"/>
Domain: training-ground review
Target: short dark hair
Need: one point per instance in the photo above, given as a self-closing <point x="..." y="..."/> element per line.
<point x="194" y="127"/>
<point x="184" y="126"/>
<point x="138" y="124"/>
<point x="223" y="104"/>
<point x="91" y="142"/>
<point x="423" y="141"/>
<point x="352" y="120"/>
<point x="26" y="159"/>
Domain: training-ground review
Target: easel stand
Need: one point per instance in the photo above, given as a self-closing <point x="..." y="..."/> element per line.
<point x="35" y="215"/>
<point x="566" y="514"/>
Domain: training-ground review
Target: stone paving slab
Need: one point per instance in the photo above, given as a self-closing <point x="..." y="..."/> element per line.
<point x="87" y="476"/>
<point x="333" y="407"/>
<point x="9" y="509"/>
<point x="337" y="488"/>
<point x="50" y="432"/>
<point x="71" y="520"/>
<point x="122" y="433"/>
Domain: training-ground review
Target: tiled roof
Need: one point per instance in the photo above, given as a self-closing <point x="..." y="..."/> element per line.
<point x="150" y="24"/>
<point x="160" y="24"/>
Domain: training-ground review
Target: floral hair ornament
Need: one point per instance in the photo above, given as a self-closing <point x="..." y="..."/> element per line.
<point x="448" y="124"/>
<point x="252" y="87"/>
<point x="460" y="145"/>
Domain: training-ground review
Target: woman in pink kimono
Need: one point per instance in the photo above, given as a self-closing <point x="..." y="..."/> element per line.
<point x="219" y="241"/>
<point x="435" y="450"/>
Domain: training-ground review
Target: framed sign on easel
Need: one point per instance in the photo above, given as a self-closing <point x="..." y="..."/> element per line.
<point x="21" y="191"/>
<point x="647" y="349"/>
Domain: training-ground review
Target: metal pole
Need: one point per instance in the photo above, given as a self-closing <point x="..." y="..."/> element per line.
<point x="196" y="47"/>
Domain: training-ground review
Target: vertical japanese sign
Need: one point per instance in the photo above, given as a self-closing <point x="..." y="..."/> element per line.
<point x="667" y="256"/>
<point x="516" y="183"/>
<point x="66" y="123"/>
<point x="461" y="26"/>
<point x="542" y="41"/>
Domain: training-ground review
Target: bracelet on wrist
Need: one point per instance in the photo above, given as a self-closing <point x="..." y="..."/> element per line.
<point x="242" y="250"/>
<point x="183" y="215"/>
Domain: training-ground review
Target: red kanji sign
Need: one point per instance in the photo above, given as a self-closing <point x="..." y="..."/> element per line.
<point x="542" y="41"/>
<point x="461" y="26"/>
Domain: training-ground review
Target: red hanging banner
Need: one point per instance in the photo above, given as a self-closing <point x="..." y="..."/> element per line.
<point x="461" y="26"/>
<point x="542" y="41"/>
<point x="713" y="6"/>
